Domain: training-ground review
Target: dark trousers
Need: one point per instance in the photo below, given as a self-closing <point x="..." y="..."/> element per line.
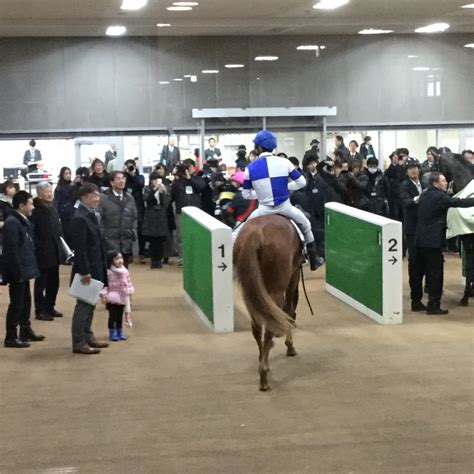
<point x="18" y="313"/>
<point x="82" y="324"/>
<point x="157" y="245"/>
<point x="115" y="315"/>
<point x="46" y="290"/>
<point x="415" y="271"/>
<point x="141" y="239"/>
<point x="430" y="262"/>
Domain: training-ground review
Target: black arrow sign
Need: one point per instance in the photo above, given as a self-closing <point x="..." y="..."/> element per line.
<point x="393" y="260"/>
<point x="223" y="266"/>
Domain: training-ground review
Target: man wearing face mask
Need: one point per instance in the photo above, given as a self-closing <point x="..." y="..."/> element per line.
<point x="433" y="207"/>
<point x="378" y="189"/>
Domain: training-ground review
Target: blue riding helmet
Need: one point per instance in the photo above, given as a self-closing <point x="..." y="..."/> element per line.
<point x="266" y="139"/>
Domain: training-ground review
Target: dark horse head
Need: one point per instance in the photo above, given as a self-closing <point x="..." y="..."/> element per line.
<point x="457" y="169"/>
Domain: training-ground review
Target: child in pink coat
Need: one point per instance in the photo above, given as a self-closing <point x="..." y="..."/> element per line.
<point x="116" y="293"/>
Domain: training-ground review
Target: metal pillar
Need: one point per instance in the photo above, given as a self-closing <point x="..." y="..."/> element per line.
<point x="202" y="139"/>
<point x="264" y="123"/>
<point x="323" y="140"/>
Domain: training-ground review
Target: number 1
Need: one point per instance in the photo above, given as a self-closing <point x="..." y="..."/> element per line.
<point x="222" y="249"/>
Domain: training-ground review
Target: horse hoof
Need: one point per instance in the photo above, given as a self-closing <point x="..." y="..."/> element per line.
<point x="265" y="388"/>
<point x="464" y="302"/>
<point x="291" y="352"/>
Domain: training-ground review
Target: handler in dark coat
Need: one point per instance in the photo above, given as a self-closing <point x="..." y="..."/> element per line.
<point x="118" y="217"/>
<point x="155" y="224"/>
<point x="89" y="262"/>
<point x="20" y="268"/>
<point x="410" y="192"/>
<point x="48" y="250"/>
<point x="433" y="206"/>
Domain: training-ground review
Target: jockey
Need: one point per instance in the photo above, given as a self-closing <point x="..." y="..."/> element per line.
<point x="266" y="179"/>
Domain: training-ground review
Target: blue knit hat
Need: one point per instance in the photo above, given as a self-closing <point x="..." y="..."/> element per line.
<point x="266" y="139"/>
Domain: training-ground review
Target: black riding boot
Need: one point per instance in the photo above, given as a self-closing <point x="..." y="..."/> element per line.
<point x="314" y="261"/>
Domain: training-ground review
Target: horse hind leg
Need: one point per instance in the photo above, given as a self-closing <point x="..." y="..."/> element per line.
<point x="291" y="301"/>
<point x="257" y="334"/>
<point x="264" y="365"/>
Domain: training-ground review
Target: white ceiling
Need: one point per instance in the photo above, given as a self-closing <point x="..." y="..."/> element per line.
<point x="228" y="17"/>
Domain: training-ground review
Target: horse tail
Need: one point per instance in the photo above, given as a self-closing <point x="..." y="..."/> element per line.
<point x="263" y="310"/>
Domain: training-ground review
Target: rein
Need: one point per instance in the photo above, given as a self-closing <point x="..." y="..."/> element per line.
<point x="304" y="289"/>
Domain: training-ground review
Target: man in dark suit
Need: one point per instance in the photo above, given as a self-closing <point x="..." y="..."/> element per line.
<point x="313" y="152"/>
<point x="48" y="245"/>
<point x="433" y="207"/>
<point x="89" y="262"/>
<point x="341" y="147"/>
<point x="410" y="192"/>
<point x="366" y="149"/>
<point x="212" y="152"/>
<point x="170" y="155"/>
<point x="32" y="157"/>
<point x="20" y="268"/>
<point x="354" y="155"/>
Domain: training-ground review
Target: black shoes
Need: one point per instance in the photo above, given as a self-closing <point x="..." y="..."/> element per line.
<point x="437" y="312"/>
<point x="314" y="260"/>
<point x="44" y="317"/>
<point x="16" y="344"/>
<point x="27" y="334"/>
<point x="87" y="350"/>
<point x="56" y="314"/>
<point x="418" y="306"/>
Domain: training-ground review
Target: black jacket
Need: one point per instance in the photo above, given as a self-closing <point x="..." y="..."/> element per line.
<point x="169" y="158"/>
<point x="100" y="181"/>
<point x="344" y="150"/>
<point x="64" y="200"/>
<point x="134" y="186"/>
<point x="6" y="209"/>
<point x="396" y="176"/>
<point x="408" y="193"/>
<point x="89" y="252"/>
<point x="378" y="192"/>
<point x="18" y="250"/>
<point x="155" y="223"/>
<point x="186" y="192"/>
<point x="367" y="151"/>
<point x="432" y="213"/>
<point x="47" y="227"/>
<point x="356" y="190"/>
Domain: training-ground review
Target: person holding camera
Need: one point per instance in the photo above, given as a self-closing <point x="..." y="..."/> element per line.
<point x="185" y="191"/>
<point x="135" y="183"/>
<point x="155" y="223"/>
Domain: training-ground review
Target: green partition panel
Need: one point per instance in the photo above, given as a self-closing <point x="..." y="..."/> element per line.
<point x="207" y="268"/>
<point x="364" y="262"/>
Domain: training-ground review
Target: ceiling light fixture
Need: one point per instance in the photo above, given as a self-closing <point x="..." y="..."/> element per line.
<point x="234" y="66"/>
<point x="163" y="25"/>
<point x="330" y="4"/>
<point x="421" y="68"/>
<point x="471" y="5"/>
<point x="434" y="28"/>
<point x="116" y="30"/>
<point x="164" y="82"/>
<point x="372" y="31"/>
<point x="133" y="4"/>
<point x="469" y="45"/>
<point x="179" y="9"/>
<point x="412" y="56"/>
<point x="188" y="76"/>
<point x="194" y="79"/>
<point x="186" y="4"/>
<point x="210" y="71"/>
<point x="178" y="79"/>
<point x="309" y="47"/>
<point x="266" y="58"/>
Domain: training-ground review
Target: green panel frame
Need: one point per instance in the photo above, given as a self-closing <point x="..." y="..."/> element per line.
<point x="354" y="258"/>
<point x="197" y="269"/>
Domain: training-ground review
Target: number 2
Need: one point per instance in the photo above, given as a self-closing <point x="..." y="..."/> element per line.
<point x="393" y="246"/>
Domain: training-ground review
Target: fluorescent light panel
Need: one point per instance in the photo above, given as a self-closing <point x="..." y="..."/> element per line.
<point x="372" y="31"/>
<point x="266" y="58"/>
<point x="421" y="68"/>
<point x="163" y="25"/>
<point x="434" y="28"/>
<point x="310" y="47"/>
<point x="116" y="30"/>
<point x="164" y="82"/>
<point x="330" y="4"/>
<point x="133" y="4"/>
<point x="179" y="9"/>
<point x="412" y="56"/>
<point x="471" y="5"/>
<point x="210" y="71"/>
<point x="469" y="45"/>
<point x="234" y="66"/>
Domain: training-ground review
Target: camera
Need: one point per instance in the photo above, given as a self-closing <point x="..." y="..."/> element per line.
<point x="131" y="169"/>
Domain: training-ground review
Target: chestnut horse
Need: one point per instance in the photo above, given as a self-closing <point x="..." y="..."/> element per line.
<point x="268" y="257"/>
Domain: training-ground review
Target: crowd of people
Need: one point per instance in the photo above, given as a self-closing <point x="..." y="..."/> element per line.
<point x="100" y="214"/>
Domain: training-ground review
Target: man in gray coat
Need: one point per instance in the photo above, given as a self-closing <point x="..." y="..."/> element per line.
<point x="118" y="217"/>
